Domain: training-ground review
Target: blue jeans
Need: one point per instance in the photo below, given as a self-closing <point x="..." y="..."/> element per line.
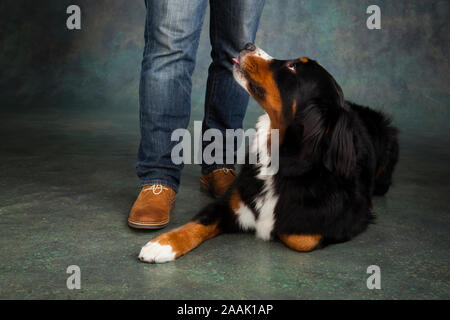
<point x="172" y="34"/>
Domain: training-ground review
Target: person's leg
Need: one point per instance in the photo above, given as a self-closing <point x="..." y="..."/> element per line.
<point x="233" y="24"/>
<point x="172" y="34"/>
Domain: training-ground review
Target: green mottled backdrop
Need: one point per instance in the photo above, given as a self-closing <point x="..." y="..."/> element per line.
<point x="402" y="68"/>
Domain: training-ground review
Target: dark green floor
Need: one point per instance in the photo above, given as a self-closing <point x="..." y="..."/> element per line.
<point x="67" y="182"/>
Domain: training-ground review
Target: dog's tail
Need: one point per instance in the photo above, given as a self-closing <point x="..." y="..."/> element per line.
<point x="387" y="162"/>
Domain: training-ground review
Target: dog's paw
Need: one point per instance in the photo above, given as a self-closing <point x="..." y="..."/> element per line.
<point x="153" y="252"/>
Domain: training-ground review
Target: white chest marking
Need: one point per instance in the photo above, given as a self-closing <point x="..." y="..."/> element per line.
<point x="266" y="201"/>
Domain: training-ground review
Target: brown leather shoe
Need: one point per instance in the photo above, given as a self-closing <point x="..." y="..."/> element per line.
<point x="218" y="181"/>
<point x="152" y="208"/>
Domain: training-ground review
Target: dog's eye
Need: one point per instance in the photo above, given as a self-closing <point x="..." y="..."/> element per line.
<point x="291" y="66"/>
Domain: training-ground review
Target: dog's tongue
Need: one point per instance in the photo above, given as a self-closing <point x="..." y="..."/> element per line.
<point x="235" y="60"/>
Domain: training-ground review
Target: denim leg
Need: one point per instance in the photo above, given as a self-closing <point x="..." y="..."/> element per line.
<point x="172" y="33"/>
<point x="233" y="24"/>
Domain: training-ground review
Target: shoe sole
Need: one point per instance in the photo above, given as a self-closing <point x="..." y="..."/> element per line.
<point x="146" y="225"/>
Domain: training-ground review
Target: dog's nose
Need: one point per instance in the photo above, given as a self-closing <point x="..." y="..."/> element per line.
<point x="250" y="47"/>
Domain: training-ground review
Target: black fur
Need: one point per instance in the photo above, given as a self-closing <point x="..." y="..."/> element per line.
<point x="334" y="156"/>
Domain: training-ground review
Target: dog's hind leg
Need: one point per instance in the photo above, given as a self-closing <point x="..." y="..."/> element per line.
<point x="301" y="242"/>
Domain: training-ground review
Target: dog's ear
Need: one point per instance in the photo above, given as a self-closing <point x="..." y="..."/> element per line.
<point x="313" y="123"/>
<point x="341" y="155"/>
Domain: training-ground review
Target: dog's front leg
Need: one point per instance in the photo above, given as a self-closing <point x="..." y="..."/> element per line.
<point x="171" y="245"/>
<point x="215" y="218"/>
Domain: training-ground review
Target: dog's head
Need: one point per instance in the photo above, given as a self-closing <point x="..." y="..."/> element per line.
<point x="300" y="92"/>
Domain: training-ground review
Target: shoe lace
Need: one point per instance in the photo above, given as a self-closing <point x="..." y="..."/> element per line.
<point x="156" y="188"/>
<point x="227" y="170"/>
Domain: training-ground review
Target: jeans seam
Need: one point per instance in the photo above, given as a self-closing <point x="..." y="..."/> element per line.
<point x="213" y="81"/>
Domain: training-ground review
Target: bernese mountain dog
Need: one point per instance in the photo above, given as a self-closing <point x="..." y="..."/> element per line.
<point x="334" y="155"/>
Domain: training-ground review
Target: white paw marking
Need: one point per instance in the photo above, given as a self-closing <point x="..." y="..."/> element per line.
<point x="246" y="218"/>
<point x="153" y="252"/>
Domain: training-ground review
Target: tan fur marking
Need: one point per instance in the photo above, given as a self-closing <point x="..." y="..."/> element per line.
<point x="187" y="237"/>
<point x="301" y="242"/>
<point x="259" y="71"/>
<point x="304" y="60"/>
<point x="235" y="200"/>
<point x="379" y="172"/>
